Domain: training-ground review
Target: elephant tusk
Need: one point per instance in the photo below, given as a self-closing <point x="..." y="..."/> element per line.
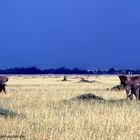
<point x="129" y="93"/>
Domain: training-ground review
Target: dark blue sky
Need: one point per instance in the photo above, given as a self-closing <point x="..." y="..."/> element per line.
<point x="70" y="33"/>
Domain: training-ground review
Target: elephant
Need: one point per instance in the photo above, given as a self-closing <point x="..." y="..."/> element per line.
<point x="131" y="85"/>
<point x="3" y="80"/>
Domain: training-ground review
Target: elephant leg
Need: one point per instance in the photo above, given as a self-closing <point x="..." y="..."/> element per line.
<point x="137" y="93"/>
<point x="0" y="88"/>
<point x="131" y="97"/>
<point x="126" y="98"/>
<point x="4" y="89"/>
<point x="135" y="96"/>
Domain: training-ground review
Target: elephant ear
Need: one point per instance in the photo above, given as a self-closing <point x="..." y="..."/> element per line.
<point x="123" y="79"/>
<point x="136" y="85"/>
<point x="3" y="79"/>
<point x="135" y="78"/>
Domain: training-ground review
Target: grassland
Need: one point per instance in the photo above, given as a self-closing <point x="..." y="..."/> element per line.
<point x="42" y="107"/>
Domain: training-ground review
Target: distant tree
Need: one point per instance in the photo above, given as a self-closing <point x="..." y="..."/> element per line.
<point x="111" y="71"/>
<point x="65" y="78"/>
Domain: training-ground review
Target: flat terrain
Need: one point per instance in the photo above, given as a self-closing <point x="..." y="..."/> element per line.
<point x="44" y="107"/>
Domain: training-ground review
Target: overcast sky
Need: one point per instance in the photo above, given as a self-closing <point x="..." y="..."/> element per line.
<point x="71" y="33"/>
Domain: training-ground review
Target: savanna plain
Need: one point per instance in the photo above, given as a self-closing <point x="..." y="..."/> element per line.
<point x="46" y="108"/>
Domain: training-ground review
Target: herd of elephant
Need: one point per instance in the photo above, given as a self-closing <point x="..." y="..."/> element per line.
<point x="131" y="84"/>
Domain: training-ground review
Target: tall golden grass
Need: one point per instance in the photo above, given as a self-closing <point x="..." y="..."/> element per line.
<point x="41" y="107"/>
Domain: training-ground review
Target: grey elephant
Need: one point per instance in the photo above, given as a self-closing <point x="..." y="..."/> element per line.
<point x="131" y="85"/>
<point x="3" y="80"/>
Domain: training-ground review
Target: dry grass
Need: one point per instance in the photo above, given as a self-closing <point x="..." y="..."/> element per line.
<point x="38" y="108"/>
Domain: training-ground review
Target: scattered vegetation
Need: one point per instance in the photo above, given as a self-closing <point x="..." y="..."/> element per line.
<point x="88" y="97"/>
<point x="7" y="113"/>
<point x="83" y="80"/>
<point x="49" y="117"/>
<point x="118" y="87"/>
